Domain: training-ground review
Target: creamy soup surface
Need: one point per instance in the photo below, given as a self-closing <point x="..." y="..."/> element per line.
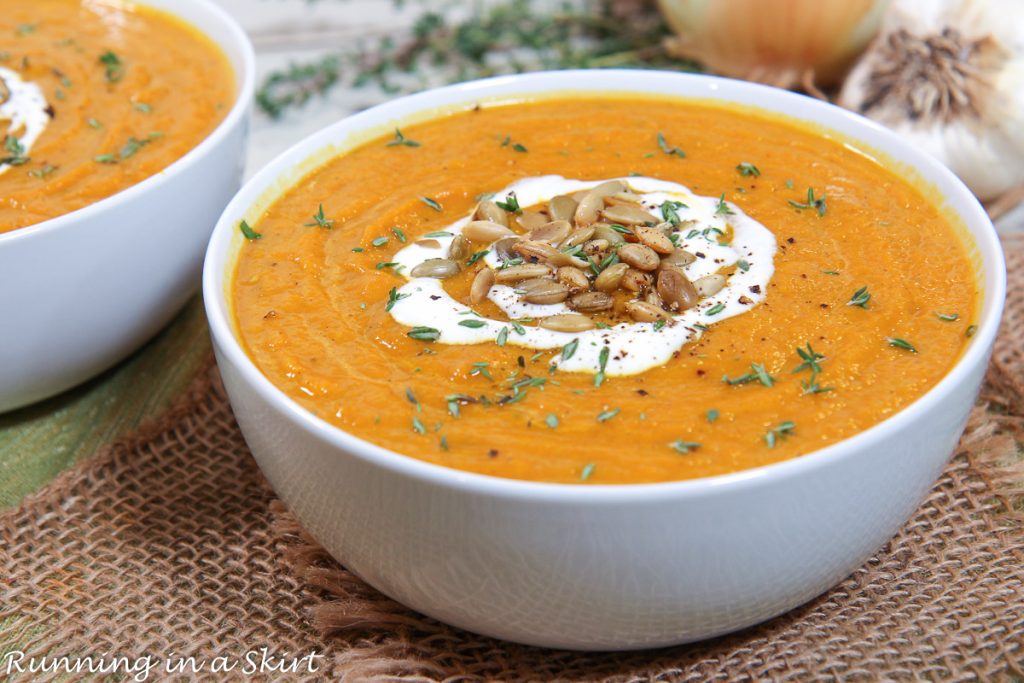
<point x="96" y="96"/>
<point x="675" y="290"/>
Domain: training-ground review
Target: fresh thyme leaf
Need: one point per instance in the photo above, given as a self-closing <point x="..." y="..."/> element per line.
<point x="670" y="211"/>
<point x="327" y="223"/>
<point x="472" y="323"/>
<point x="817" y="203"/>
<point x="587" y="471"/>
<point x="948" y="317"/>
<point x="431" y="203"/>
<point x="901" y="344"/>
<point x="748" y="170"/>
<point x="399" y="234"/>
<point x="502" y="338"/>
<point x="668" y="149"/>
<point x="684" y="447"/>
<point x="860" y="298"/>
<point x="602" y="363"/>
<point x="295" y="86"/>
<point x="810" y="359"/>
<point x="411" y="396"/>
<point x="42" y="172"/>
<point x="569" y="350"/>
<point x="775" y="434"/>
<point x="376" y="241"/>
<point x="477" y="256"/>
<point x="712" y="415"/>
<point x="93" y="123"/>
<point x="424" y="333"/>
<point x="830" y="272"/>
<point x="606" y="415"/>
<point x="722" y="209"/>
<point x="481" y="369"/>
<point x="743" y="265"/>
<point x="511" y="204"/>
<point x="762" y="374"/>
<point x="660" y="323"/>
<point x="519" y="147"/>
<point x="105" y="159"/>
<point x="15" y="152"/>
<point x="393" y="298"/>
<point x="401" y="141"/>
<point x="143" y="107"/>
<point x="418" y="426"/>
<point x="551" y="420"/>
<point x="715" y="310"/>
<point x="25" y="29"/>
<point x="114" y="66"/>
<point x="248" y="232"/>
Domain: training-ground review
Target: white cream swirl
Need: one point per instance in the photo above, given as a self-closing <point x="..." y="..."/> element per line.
<point x="25" y="110"/>
<point x="633" y="346"/>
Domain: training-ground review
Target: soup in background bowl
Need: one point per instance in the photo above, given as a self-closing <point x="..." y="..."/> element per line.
<point x="845" y="295"/>
<point x="126" y="126"/>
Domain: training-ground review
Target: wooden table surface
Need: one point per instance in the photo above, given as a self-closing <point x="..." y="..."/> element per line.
<point x="38" y="442"/>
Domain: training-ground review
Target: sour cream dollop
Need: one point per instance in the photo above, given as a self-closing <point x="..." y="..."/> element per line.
<point x="634" y="347"/>
<point x="25" y="110"/>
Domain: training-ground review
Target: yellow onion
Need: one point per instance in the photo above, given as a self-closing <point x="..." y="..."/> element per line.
<point x="779" y="42"/>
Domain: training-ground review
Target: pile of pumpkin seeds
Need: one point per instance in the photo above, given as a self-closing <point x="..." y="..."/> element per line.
<point x="598" y="250"/>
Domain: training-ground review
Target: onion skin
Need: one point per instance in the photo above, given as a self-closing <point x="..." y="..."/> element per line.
<point x="778" y="42"/>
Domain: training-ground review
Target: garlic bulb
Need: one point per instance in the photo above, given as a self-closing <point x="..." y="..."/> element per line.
<point x="779" y="42"/>
<point x="948" y="75"/>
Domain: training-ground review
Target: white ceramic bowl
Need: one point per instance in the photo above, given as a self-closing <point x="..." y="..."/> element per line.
<point x="83" y="290"/>
<point x="601" y="567"/>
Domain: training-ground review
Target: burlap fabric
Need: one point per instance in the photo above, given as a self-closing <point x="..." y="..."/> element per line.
<point x="170" y="543"/>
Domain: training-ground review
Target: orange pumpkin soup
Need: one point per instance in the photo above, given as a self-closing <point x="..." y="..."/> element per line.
<point x="96" y="96"/>
<point x="658" y="290"/>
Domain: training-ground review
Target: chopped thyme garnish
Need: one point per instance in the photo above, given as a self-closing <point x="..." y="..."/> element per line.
<point x="660" y="323"/>
<point x="319" y="220"/>
<point x="683" y="447"/>
<point x="129" y="149"/>
<point x="775" y="434"/>
<point x="588" y="470"/>
<point x="358" y="250"/>
<point x="811" y="203"/>
<point x="715" y="310"/>
<point x="395" y="266"/>
<point x="376" y="241"/>
<point x="602" y="360"/>
<point x="743" y="265"/>
<point x="444" y="443"/>
<point x="712" y="415"/>
<point x="421" y="333"/>
<point x="670" y="211"/>
<point x="901" y="344"/>
<point x="948" y="317"/>
<point x="393" y="298"/>
<point x="570" y="349"/>
<point x="114" y="66"/>
<point x="758" y="374"/>
<point x="143" y="107"/>
<point x="810" y="359"/>
<point x="481" y="369"/>
<point x="668" y="149"/>
<point x="502" y="338"/>
<point x="399" y="235"/>
<point x="15" y="152"/>
<point x="507" y="142"/>
<point x="401" y="141"/>
<point x="722" y="209"/>
<point x="748" y="170"/>
<point x="418" y="426"/>
<point x="551" y="420"/>
<point x="511" y="204"/>
<point x="105" y="159"/>
<point x="477" y="256"/>
<point x="606" y="415"/>
<point x="248" y="232"/>
<point x="439" y="233"/>
<point x="411" y="397"/>
<point x="860" y="298"/>
<point x="830" y="272"/>
<point x="93" y="123"/>
<point x="25" y="29"/>
<point x="472" y="323"/>
<point x="42" y="172"/>
<point x="433" y="204"/>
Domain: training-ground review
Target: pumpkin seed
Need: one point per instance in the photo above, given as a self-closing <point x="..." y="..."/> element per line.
<point x="609" y="279"/>
<point x="481" y="286"/>
<point x="567" y="322"/>
<point x="588" y="209"/>
<point x="643" y="312"/>
<point x="626" y="196"/>
<point x="636" y="280"/>
<point x="573" y="278"/>
<point x="536" y="251"/>
<point x="439" y="268"/>
<point x="531" y="220"/>
<point x="591" y="302"/>
<point x="562" y="208"/>
<point x="459" y="248"/>
<point x="605" y="232"/>
<point x="503" y="248"/>
<point x="490" y="211"/>
<point x="628" y="215"/>
<point x="553" y="233"/>
<point x="709" y="285"/>
<point x="639" y="256"/>
<point x="543" y="291"/>
<point x="676" y="290"/>
<point x="677" y="258"/>
<point x="596" y="249"/>
<point x="654" y="238"/>
<point x="523" y="272"/>
<point x="579" y="236"/>
<point x="652" y="297"/>
<point x="485" y="231"/>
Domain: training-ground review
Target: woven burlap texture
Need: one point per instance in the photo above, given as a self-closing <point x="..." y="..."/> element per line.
<point x="171" y="542"/>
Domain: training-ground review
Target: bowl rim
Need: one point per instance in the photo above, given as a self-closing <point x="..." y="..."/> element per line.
<point x="220" y="252"/>
<point x="246" y="86"/>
